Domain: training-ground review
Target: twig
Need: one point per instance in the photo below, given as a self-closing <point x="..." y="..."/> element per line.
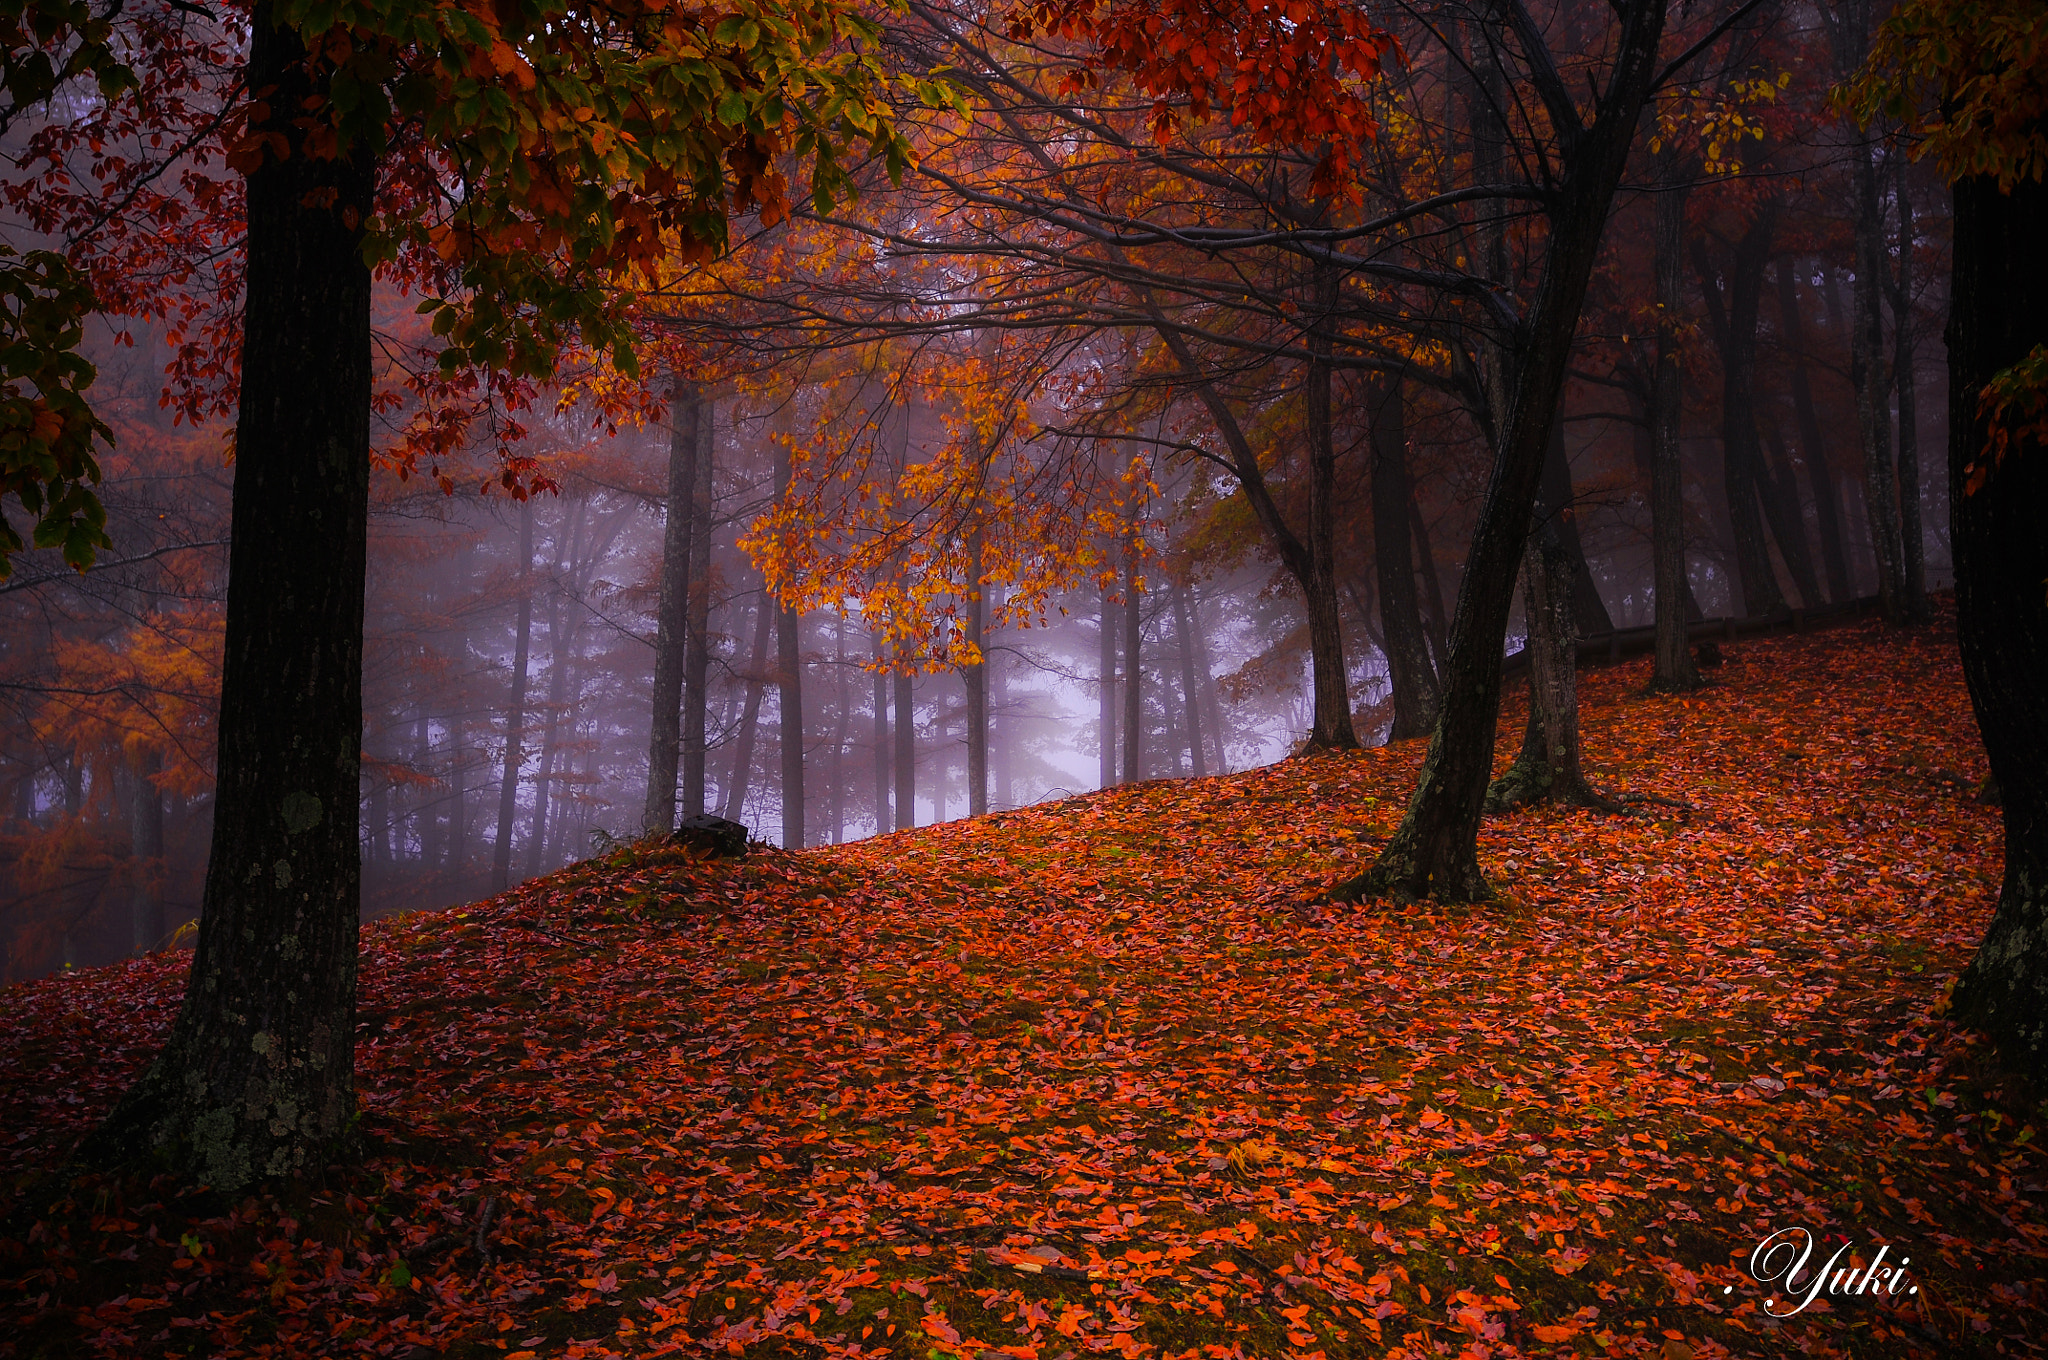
<point x="483" y="1229"/>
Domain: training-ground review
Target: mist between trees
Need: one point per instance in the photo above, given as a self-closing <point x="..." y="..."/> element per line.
<point x="1042" y="447"/>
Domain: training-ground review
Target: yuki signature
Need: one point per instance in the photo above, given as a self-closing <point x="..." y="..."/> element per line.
<point x="1785" y="1258"/>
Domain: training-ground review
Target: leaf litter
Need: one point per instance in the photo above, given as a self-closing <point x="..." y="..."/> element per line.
<point x="1100" y="1077"/>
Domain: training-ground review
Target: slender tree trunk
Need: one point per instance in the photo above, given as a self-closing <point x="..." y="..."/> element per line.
<point x="1002" y="726"/>
<point x="1184" y="634"/>
<point x="1912" y="542"/>
<point x="457" y="844"/>
<point x="697" y="648"/>
<point x="1827" y="501"/>
<point x="1435" y="851"/>
<point x="1331" y="728"/>
<point x="906" y="751"/>
<point x="1134" y="672"/>
<point x="1675" y="668"/>
<point x="750" y="712"/>
<point x="843" y="702"/>
<point x="975" y="677"/>
<point x="257" y="1078"/>
<point x="1732" y="307"/>
<point x="664" y="732"/>
<point x="789" y="674"/>
<point x="1438" y="630"/>
<point x="1212" y="703"/>
<point x="1873" y="384"/>
<point x="147" y="927"/>
<point x="881" y="701"/>
<point x="559" y="662"/>
<point x="1998" y="315"/>
<point x="515" y="709"/>
<point x="1105" y="694"/>
<point x="1409" y="669"/>
<point x="1589" y="611"/>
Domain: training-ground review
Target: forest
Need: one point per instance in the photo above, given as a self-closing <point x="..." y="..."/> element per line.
<point x="1184" y="678"/>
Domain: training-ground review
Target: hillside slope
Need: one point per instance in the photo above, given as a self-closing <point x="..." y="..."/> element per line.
<point x="1093" y="1076"/>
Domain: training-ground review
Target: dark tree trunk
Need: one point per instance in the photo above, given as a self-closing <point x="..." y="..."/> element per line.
<point x="1827" y="501"/>
<point x="147" y="927"/>
<point x="1589" y="612"/>
<point x="1548" y="767"/>
<point x="1212" y="704"/>
<point x="1002" y="729"/>
<point x="1184" y="634"/>
<point x="1435" y="851"/>
<point x="515" y="707"/>
<point x="697" y="649"/>
<point x="789" y="676"/>
<point x="750" y="711"/>
<point x="257" y="1078"/>
<point x="906" y="751"/>
<point x="842" y="717"/>
<point x="664" y="732"/>
<point x="1781" y="508"/>
<point x="1675" y="668"/>
<point x="1409" y="669"/>
<point x="1732" y="306"/>
<point x="1873" y="386"/>
<point x="560" y="662"/>
<point x="1998" y="315"/>
<point x="975" y="677"/>
<point x="1912" y="544"/>
<point x="1332" y="729"/>
<point x="1438" y="625"/>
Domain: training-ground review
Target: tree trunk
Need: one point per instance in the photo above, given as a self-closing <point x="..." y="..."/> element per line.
<point x="147" y="926"/>
<point x="559" y="663"/>
<point x="1002" y="728"/>
<point x="906" y="751"/>
<point x="664" y="731"/>
<point x="1548" y="767"/>
<point x="1409" y="669"/>
<point x="1184" y="634"/>
<point x="1438" y="625"/>
<point x="1435" y="851"/>
<point x="1331" y="729"/>
<point x="257" y="1078"/>
<point x="515" y="708"/>
<point x="1105" y="695"/>
<point x="1912" y="543"/>
<point x="1873" y="386"/>
<point x="750" y="712"/>
<point x="789" y="675"/>
<point x="1212" y="703"/>
<point x="1782" y="510"/>
<point x="1998" y="315"/>
<point x="881" y="700"/>
<point x="975" y="676"/>
<point x="697" y="647"/>
<point x="843" y="703"/>
<point x="1732" y="308"/>
<point x="1589" y="612"/>
<point x="1675" y="669"/>
<point x="1134" y="673"/>
<point x="1827" y="501"/>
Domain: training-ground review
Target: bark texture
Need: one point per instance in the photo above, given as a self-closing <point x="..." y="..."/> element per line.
<point x="1999" y="314"/>
<point x="257" y="1078"/>
<point x="1675" y="669"/>
<point x="1410" y="671"/>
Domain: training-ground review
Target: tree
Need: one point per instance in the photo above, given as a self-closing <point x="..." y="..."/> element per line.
<point x="1971" y="77"/>
<point x="590" y="141"/>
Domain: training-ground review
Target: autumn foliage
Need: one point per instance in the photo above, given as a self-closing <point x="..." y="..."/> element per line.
<point x="1096" y="1077"/>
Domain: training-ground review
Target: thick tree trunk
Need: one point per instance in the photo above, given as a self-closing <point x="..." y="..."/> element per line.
<point x="1999" y="313"/>
<point x="1184" y="634"/>
<point x="1409" y="669"/>
<point x="1548" y="768"/>
<point x="664" y="732"/>
<point x="515" y="708"/>
<point x="1912" y="543"/>
<point x="1435" y="851"/>
<point x="975" y="677"/>
<point x="1675" y="669"/>
<point x="750" y="711"/>
<point x="1332" y="728"/>
<point x="1827" y="501"/>
<point x="906" y="751"/>
<point x="257" y="1078"/>
<point x="1732" y="305"/>
<point x="697" y="649"/>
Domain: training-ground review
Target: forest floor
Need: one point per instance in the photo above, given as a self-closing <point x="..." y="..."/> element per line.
<point x="1095" y="1076"/>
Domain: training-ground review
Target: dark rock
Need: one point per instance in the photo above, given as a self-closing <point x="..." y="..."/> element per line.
<point x="713" y="836"/>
